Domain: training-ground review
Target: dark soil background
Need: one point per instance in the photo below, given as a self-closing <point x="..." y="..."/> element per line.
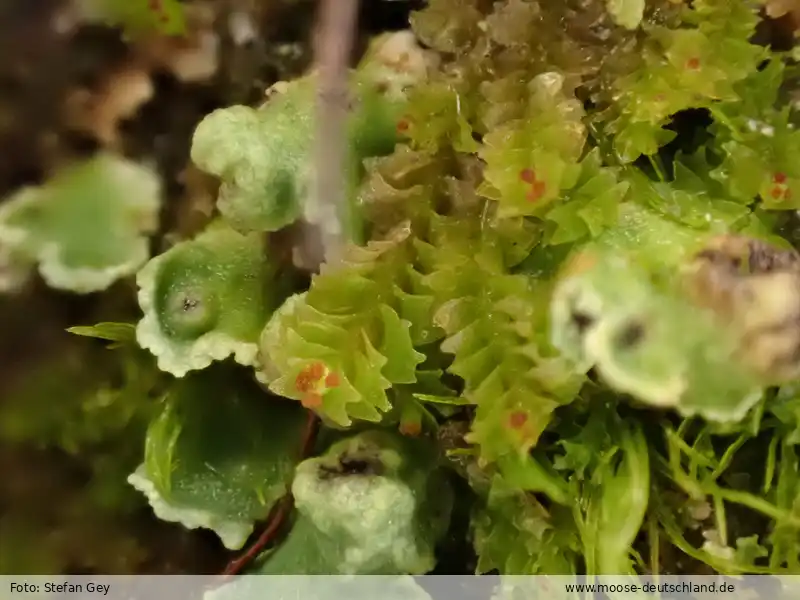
<point x="68" y="88"/>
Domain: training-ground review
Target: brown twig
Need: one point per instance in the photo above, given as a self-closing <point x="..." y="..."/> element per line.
<point x="309" y="435"/>
<point x="280" y="511"/>
<point x="334" y="41"/>
<point x="277" y="518"/>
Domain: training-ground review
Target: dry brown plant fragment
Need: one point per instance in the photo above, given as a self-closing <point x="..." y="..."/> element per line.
<point x="101" y="109"/>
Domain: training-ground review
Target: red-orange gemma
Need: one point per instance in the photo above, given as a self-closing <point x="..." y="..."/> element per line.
<point x="402" y="125"/>
<point x="787" y="195"/>
<point x="312" y="400"/>
<point x="537" y="190"/>
<point x="332" y="380"/>
<point x="693" y="63"/>
<point x="527" y="175"/>
<point x="776" y="193"/>
<point x="517" y="419"/>
<point x="779" y="178"/>
<point x="303" y="382"/>
<point x="309" y="376"/>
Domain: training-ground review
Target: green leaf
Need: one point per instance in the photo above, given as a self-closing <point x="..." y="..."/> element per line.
<point x="786" y="407"/>
<point x="617" y="495"/>
<point x="450" y="400"/>
<point x="87" y="226"/>
<point x="220" y="454"/>
<point x="749" y="551"/>
<point x="123" y="333"/>
<point x="689" y="65"/>
<point x="373" y="504"/>
<point x="667" y="243"/>
<point x="515" y="534"/>
<point x="258" y="154"/>
<point x="339" y="347"/>
<point x="529" y="474"/>
<point x="591" y="207"/>
<point x="208" y="298"/>
<point x="757" y="151"/>
<point x="688" y="200"/>
<point x="651" y="342"/>
<point x="530" y="160"/>
<point x="264" y="156"/>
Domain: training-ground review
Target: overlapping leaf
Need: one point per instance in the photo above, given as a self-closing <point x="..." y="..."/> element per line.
<point x="338" y="347"/>
<point x="86" y="227"/>
<point x="219" y="455"/>
<point x="206" y="299"/>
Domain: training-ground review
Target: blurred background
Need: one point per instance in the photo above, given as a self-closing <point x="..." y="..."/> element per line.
<point x="72" y="412"/>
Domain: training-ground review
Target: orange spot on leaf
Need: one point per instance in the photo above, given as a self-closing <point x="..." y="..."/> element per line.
<point x="312" y="400"/>
<point x="309" y="377"/>
<point x="693" y="63"/>
<point x="332" y="380"/>
<point x="402" y="125"/>
<point x="527" y="175"/>
<point x="538" y="188"/>
<point x="517" y="419"/>
<point x="302" y="382"/>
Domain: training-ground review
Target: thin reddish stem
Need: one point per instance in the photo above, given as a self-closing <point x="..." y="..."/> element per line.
<point x="280" y="512"/>
<point x="309" y="435"/>
<point x="277" y="519"/>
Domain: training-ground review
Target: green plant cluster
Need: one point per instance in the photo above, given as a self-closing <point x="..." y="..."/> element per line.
<point x="556" y="292"/>
<point x="86" y="227"/>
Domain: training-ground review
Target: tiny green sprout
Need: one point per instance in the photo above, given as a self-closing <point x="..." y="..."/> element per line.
<point x="264" y="155"/>
<point x="86" y="227"/>
<point x="206" y="299"/>
<point x="651" y="343"/>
